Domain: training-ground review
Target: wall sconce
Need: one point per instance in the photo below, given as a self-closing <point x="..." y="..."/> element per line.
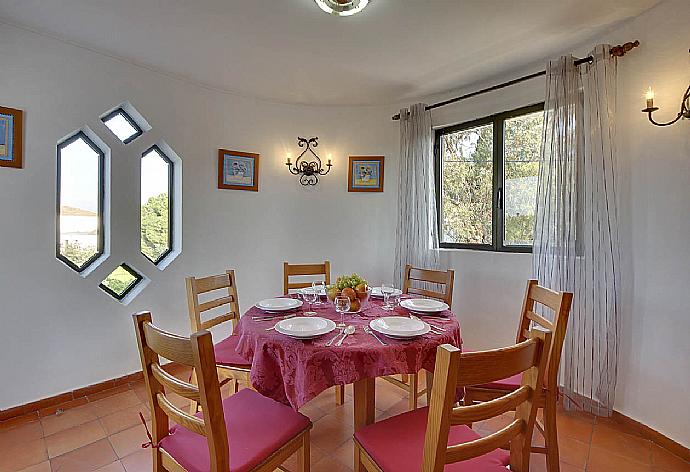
<point x="308" y="168"/>
<point x="684" y="107"/>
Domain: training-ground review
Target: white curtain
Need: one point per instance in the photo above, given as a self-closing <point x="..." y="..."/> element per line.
<point x="416" y="236"/>
<point x="576" y="241"/>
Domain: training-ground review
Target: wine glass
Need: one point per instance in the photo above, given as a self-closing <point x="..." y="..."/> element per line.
<point x="319" y="287"/>
<point x="387" y="290"/>
<point x="342" y="304"/>
<point x="310" y="295"/>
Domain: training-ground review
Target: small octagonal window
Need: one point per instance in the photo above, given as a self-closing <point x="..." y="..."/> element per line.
<point x="80" y="201"/>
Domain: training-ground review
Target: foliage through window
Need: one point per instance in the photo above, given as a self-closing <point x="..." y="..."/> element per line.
<point x="156" y="204"/>
<point x="121" y="281"/>
<point x="80" y="197"/>
<point x="486" y="181"/>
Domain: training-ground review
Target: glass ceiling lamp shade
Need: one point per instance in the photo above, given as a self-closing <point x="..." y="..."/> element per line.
<point x="342" y="7"/>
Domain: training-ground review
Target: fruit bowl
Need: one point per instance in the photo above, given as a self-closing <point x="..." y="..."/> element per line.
<point x="354" y="287"/>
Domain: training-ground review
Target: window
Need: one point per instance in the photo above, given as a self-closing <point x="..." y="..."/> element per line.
<point x="121" y="281"/>
<point x="486" y="181"/>
<point x="80" y="201"/>
<point x="157" y="181"/>
<point x="122" y="125"/>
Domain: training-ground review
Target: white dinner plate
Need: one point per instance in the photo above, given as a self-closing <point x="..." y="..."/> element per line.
<point x="376" y="292"/>
<point x="399" y="326"/>
<point x="423" y="305"/>
<point x="305" y="327"/>
<point x="279" y="304"/>
<point x="302" y="290"/>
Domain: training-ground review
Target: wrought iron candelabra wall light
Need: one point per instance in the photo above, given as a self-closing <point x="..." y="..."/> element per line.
<point x="308" y="164"/>
<point x="684" y="112"/>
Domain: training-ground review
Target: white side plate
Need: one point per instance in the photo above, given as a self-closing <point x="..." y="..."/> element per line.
<point x="279" y="304"/>
<point x="424" y="305"/>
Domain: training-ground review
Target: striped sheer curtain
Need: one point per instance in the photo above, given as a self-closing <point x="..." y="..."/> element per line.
<point x="576" y="241"/>
<point x="416" y="236"/>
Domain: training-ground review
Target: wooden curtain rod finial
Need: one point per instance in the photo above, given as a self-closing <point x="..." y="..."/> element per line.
<point x="622" y="49"/>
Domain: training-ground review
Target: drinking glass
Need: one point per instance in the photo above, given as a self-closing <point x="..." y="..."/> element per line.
<point x="342" y="304"/>
<point x="319" y="287"/>
<point x="387" y="290"/>
<point x="310" y="296"/>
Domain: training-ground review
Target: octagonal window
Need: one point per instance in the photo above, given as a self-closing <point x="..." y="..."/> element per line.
<point x="80" y="201"/>
<point x="157" y="181"/>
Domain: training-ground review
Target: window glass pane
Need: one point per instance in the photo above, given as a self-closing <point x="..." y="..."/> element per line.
<point x="121" y="280"/>
<point x="79" y="187"/>
<point x="120" y="127"/>
<point x="466" y="186"/>
<point x="522" y="146"/>
<point x="155" y="205"/>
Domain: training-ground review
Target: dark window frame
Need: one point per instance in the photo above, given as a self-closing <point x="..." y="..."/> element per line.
<point x="119" y="297"/>
<point x="129" y="119"/>
<point x="497" y="221"/>
<point x="171" y="196"/>
<point x="101" y="201"/>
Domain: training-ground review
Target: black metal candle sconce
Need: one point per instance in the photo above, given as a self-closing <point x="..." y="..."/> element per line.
<point x="308" y="166"/>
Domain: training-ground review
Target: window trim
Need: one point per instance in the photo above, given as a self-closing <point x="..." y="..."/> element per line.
<point x="171" y="197"/>
<point x="129" y="119"/>
<point x="101" y="201"/>
<point x="497" y="220"/>
<point x="137" y="279"/>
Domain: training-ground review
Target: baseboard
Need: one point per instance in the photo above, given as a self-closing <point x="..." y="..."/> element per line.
<point x="653" y="435"/>
<point x="66" y="400"/>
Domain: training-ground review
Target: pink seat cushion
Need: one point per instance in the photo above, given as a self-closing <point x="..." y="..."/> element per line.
<point x="397" y="445"/>
<point x="226" y="353"/>
<point x="509" y="384"/>
<point x="257" y="427"/>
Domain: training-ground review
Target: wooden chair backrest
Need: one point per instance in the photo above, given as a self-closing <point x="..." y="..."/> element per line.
<point x="560" y="303"/>
<point x="227" y="287"/>
<point x="197" y="352"/>
<point x="439" y="277"/>
<point x="455" y="369"/>
<point x="290" y="270"/>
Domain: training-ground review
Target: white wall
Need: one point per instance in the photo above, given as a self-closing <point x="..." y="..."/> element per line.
<point x="60" y="331"/>
<point x="60" y="87"/>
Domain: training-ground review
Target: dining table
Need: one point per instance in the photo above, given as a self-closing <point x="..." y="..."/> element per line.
<point x="294" y="371"/>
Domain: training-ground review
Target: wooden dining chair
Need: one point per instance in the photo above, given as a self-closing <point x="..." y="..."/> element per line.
<point x="232" y="368"/>
<point x="246" y="431"/>
<point x="428" y="439"/>
<point x="296" y="270"/>
<point x="301" y="270"/>
<point x="547" y="398"/>
<point x="417" y="281"/>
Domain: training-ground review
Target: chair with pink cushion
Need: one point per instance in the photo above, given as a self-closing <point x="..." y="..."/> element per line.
<point x="220" y="302"/>
<point x="559" y="304"/>
<point x="437" y="438"/>
<point x="244" y="432"/>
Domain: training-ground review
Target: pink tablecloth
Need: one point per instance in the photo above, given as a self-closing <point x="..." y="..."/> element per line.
<point x="293" y="371"/>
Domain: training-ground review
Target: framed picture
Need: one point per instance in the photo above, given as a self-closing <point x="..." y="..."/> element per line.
<point x="238" y="170"/>
<point x="365" y="174"/>
<point x="11" y="137"/>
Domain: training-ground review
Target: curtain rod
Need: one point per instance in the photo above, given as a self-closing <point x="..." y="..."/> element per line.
<point x="618" y="51"/>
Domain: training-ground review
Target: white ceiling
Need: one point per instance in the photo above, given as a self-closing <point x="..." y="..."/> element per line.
<point x="291" y="51"/>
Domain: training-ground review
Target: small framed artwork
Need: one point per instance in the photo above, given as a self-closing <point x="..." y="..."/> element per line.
<point x="238" y="170"/>
<point x="365" y="174"/>
<point x="11" y="137"/>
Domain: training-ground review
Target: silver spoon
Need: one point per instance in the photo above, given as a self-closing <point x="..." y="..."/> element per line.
<point x="348" y="331"/>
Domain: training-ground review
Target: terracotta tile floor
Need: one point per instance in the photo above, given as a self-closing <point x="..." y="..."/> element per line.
<point x="105" y="434"/>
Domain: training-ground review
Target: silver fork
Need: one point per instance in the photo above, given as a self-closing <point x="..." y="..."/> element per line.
<point x="340" y="333"/>
<point x="368" y="330"/>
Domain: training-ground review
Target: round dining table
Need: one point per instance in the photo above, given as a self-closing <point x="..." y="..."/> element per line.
<point x="294" y="371"/>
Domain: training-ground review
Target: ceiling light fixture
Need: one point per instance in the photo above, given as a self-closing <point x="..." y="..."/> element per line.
<point x="342" y="7"/>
